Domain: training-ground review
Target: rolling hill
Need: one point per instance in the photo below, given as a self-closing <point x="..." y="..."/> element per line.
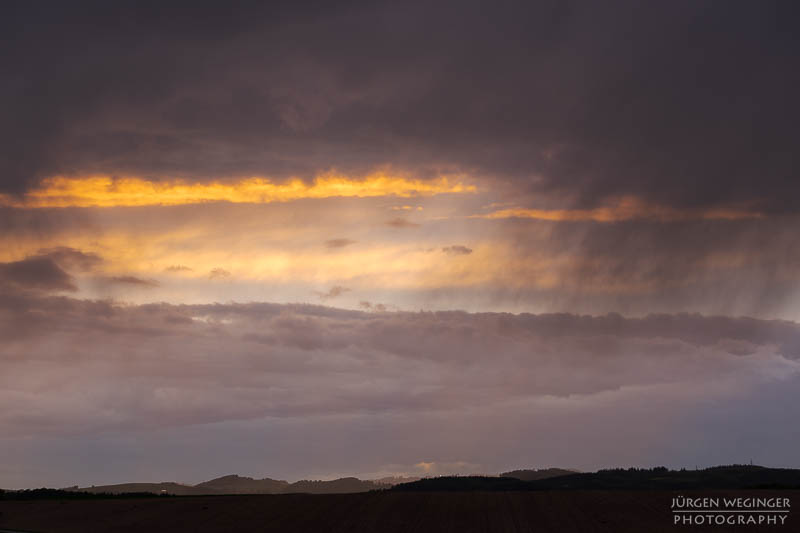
<point x="660" y="478"/>
<point x="234" y="484"/>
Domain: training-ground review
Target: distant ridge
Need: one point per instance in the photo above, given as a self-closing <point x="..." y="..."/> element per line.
<point x="659" y="478"/>
<point x="155" y="488"/>
<point x="234" y="484"/>
<point x="336" y="486"/>
<point x="395" y="480"/>
<point x="544" y="473"/>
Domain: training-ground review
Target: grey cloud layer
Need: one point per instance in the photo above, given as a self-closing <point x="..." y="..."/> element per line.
<point x="302" y="390"/>
<point x="163" y="365"/>
<point x="688" y="103"/>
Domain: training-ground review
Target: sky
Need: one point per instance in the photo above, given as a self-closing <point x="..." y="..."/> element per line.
<point x="305" y="240"/>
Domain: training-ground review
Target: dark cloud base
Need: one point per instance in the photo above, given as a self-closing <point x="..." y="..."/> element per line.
<point x="686" y="103"/>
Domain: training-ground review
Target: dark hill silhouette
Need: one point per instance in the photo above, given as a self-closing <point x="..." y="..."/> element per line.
<point x="464" y="484"/>
<point x="659" y="478"/>
<point x="336" y="486"/>
<point x="154" y="488"/>
<point x="395" y="480"/>
<point x="718" y="477"/>
<point x="544" y="473"/>
<point x="63" y="494"/>
<point x="234" y="484"/>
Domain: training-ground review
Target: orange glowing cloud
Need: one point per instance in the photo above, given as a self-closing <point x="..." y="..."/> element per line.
<point x="104" y="191"/>
<point x="626" y="208"/>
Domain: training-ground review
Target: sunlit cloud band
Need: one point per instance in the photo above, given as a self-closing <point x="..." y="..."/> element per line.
<point x="105" y="191"/>
<point x="627" y="208"/>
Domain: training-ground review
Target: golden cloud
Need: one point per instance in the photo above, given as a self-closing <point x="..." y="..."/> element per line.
<point x="105" y="191"/>
<point x="626" y="208"/>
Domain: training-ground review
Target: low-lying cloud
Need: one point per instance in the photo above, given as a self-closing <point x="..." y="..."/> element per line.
<point x="172" y="365"/>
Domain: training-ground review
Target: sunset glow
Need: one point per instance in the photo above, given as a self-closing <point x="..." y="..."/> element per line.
<point x="627" y="208"/>
<point x="388" y="240"/>
<point x="106" y="191"/>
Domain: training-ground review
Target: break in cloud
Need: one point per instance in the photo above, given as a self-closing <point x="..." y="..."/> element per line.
<point x="563" y="117"/>
<point x="540" y="384"/>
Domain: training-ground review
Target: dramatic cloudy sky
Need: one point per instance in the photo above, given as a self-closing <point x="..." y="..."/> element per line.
<point x="374" y="238"/>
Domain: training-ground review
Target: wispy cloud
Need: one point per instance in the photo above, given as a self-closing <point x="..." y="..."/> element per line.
<point x="457" y="249"/>
<point x="339" y="243"/>
<point x="401" y="223"/>
<point x="628" y="208"/>
<point x="218" y="273"/>
<point x="178" y="268"/>
<point x="133" y="280"/>
<point x="333" y="292"/>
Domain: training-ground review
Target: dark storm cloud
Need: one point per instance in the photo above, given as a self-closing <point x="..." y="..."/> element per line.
<point x="686" y="103"/>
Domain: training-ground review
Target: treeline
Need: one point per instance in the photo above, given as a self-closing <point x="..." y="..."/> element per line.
<point x="59" y="494"/>
<point x="658" y="478"/>
<point x="463" y="484"/>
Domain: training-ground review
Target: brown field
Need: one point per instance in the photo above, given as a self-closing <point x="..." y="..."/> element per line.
<point x="383" y="512"/>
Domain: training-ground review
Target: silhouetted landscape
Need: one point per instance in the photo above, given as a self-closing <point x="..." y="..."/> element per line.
<point x="659" y="478"/>
<point x="729" y="477"/>
<point x="234" y="484"/>
<point x="558" y="500"/>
